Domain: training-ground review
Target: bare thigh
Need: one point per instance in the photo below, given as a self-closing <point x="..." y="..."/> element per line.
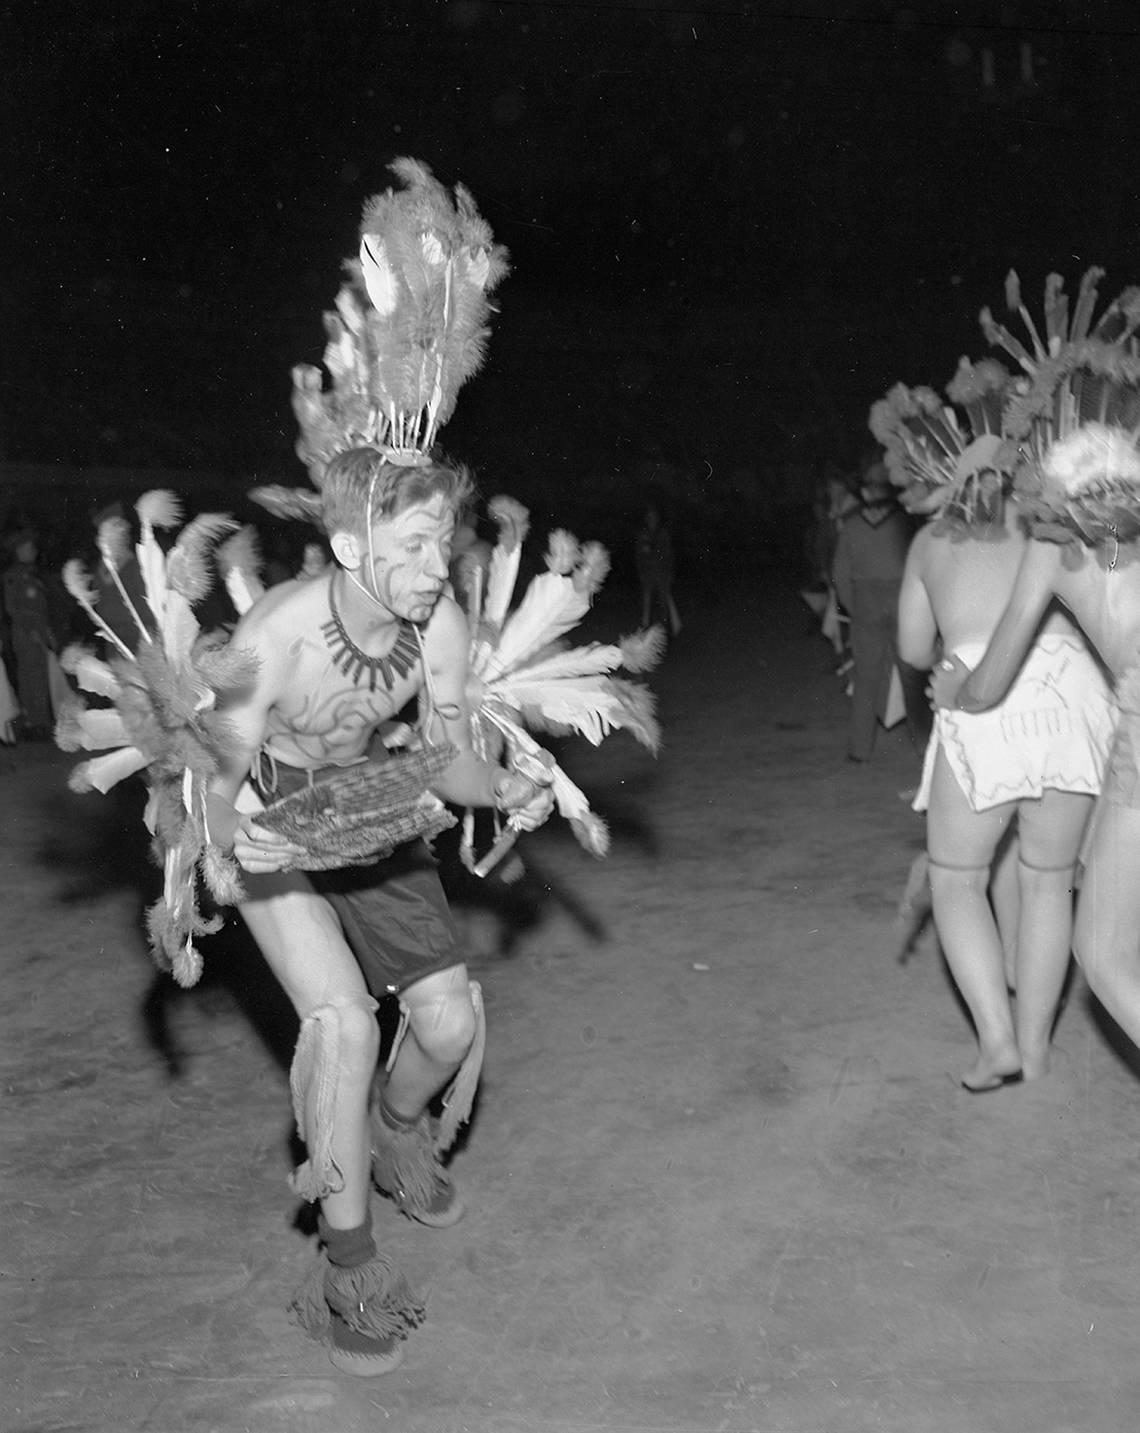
<point x="956" y="834"/>
<point x="1051" y="828"/>
<point x="301" y="939"/>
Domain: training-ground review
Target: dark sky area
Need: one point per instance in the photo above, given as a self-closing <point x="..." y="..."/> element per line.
<point x="731" y="224"/>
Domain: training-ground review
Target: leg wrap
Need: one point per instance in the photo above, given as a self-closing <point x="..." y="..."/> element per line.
<point x="460" y="1097"/>
<point x="313" y="1081"/>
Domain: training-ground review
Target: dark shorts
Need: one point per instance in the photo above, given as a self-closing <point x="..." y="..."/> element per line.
<point x="395" y="917"/>
<point x="394" y="913"/>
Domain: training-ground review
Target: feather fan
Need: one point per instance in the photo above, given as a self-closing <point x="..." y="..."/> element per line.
<point x="523" y="676"/>
<point x="164" y="719"/>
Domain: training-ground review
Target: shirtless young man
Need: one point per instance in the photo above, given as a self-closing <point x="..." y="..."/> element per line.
<point x="1100" y="585"/>
<point x="338" y="656"/>
<point x="1038" y="757"/>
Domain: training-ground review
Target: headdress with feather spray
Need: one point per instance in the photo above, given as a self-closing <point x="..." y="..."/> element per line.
<point x="410" y="327"/>
<point x="163" y="720"/>
<point x="947" y="463"/>
<point x="1075" y="417"/>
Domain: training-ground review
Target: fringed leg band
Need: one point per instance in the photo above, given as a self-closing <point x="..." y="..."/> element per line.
<point x="313" y="1080"/>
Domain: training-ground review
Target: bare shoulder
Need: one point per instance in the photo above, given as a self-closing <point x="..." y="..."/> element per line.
<point x="446" y="634"/>
<point x="282" y="614"/>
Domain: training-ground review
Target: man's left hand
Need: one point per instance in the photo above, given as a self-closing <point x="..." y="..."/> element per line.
<point x="527" y="800"/>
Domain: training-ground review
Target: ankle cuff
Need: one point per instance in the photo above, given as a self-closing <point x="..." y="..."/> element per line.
<point x="348" y="1248"/>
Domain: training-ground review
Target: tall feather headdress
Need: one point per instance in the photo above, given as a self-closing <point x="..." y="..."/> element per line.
<point x="162" y="721"/>
<point x="1075" y="417"/>
<point x="409" y="328"/>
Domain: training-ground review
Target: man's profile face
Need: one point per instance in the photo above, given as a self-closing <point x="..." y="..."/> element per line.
<point x="410" y="556"/>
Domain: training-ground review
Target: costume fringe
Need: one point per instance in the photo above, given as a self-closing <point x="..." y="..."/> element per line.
<point x="459" y="1100"/>
<point x="404" y="1162"/>
<point x="373" y="1299"/>
<point x="312" y="1081"/>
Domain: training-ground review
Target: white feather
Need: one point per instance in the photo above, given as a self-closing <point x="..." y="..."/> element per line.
<point x="597" y="657"/>
<point x="243" y="590"/>
<point x="180" y="627"/>
<point x="379" y="280"/>
<point x="551" y="607"/>
<point x="587" y="706"/>
<point x="101" y="729"/>
<point x="106" y="771"/>
<point x="502" y="573"/>
<point x="90" y="672"/>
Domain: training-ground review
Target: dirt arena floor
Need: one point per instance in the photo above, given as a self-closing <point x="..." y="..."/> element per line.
<point x="721" y="1177"/>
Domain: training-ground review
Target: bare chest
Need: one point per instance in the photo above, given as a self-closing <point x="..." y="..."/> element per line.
<point x="335" y="701"/>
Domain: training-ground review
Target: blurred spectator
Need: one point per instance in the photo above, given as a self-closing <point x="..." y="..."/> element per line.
<point x="315" y="561"/>
<point x="653" y="553"/>
<point x="870" y="556"/>
<point x="33" y="641"/>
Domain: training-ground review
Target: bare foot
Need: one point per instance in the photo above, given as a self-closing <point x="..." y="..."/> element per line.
<point x="992" y="1070"/>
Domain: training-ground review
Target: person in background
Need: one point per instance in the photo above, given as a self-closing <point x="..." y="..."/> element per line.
<point x="653" y="554"/>
<point x="870" y="555"/>
<point x="315" y="561"/>
<point x="27" y="606"/>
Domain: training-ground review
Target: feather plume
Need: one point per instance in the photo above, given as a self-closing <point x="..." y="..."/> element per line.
<point x="160" y="508"/>
<point x="642" y="651"/>
<point x="113" y="539"/>
<point x="239" y="560"/>
<point x="77" y="580"/>
<point x="187" y="565"/>
<point x="410" y="326"/>
<point x="294" y="502"/>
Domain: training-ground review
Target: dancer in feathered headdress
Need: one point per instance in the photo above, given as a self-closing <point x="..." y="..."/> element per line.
<point x="325" y="799"/>
<point x="1067" y="461"/>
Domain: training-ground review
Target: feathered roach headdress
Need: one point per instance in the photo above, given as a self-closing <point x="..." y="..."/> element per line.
<point x="947" y="465"/>
<point x="410" y="327"/>
<point x="1075" y="417"/>
<point x="163" y="687"/>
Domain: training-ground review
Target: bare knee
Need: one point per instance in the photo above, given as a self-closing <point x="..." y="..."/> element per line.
<point x="445" y="1027"/>
<point x="359" y="1041"/>
<point x="1035" y="882"/>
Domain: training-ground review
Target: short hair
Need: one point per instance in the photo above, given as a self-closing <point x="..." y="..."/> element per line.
<point x="353" y="475"/>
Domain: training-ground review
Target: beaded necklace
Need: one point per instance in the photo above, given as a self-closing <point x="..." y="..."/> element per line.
<point x="354" y="663"/>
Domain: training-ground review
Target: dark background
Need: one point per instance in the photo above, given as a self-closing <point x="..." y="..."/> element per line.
<point x="732" y="225"/>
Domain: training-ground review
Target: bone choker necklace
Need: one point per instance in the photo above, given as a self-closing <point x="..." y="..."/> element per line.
<point x="354" y="663"/>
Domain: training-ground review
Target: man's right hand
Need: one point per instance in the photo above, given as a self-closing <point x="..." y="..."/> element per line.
<point x="261" y="852"/>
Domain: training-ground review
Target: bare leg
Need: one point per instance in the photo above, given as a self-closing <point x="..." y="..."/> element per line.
<point x="1005" y="898"/>
<point x="1108" y="916"/>
<point x="962" y="843"/>
<point x="1051" y="831"/>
